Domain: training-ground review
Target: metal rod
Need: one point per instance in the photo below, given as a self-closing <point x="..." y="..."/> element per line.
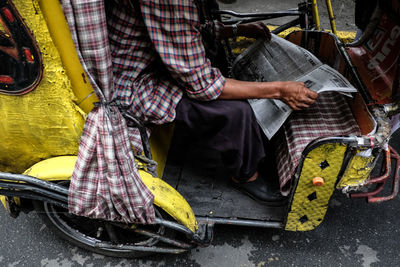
<point x="241" y="222"/>
<point x="110" y="231"/>
<point x="368" y="194"/>
<point x="163" y="239"/>
<point x="316" y="15"/>
<point x="34" y="181"/>
<point x="180" y="228"/>
<point x="331" y="16"/>
<point x="266" y="15"/>
<point x="16" y="187"/>
<point x="29" y="195"/>
<point x="286" y="26"/>
<point x="396" y="178"/>
<point x="138" y="248"/>
<point x="381" y="179"/>
<point x="384" y="177"/>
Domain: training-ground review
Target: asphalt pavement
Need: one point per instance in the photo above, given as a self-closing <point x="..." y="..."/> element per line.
<point x="353" y="233"/>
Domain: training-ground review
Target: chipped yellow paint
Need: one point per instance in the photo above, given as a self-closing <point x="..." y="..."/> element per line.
<point x="45" y="122"/>
<point x="344" y="36"/>
<point x="243" y="42"/>
<point x="4" y="202"/>
<point x="59" y="31"/>
<point x="306" y="214"/>
<point x="357" y="172"/>
<point x="165" y="196"/>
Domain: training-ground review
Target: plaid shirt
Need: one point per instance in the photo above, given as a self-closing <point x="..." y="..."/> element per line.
<point x="151" y="54"/>
<point x="158" y="55"/>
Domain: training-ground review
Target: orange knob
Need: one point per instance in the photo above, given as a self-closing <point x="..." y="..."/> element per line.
<point x="318" y="181"/>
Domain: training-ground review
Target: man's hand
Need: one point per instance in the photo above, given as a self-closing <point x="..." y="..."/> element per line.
<point x="255" y="30"/>
<point x="251" y="30"/>
<point x="296" y="95"/>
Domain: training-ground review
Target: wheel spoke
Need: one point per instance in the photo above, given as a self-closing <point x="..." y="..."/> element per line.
<point x="111" y="232"/>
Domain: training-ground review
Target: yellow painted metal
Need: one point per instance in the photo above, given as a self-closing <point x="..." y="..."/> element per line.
<point x="316" y="15"/>
<point x="242" y="42"/>
<point x="357" y="172"/>
<point x="4" y="202"/>
<point x="165" y="197"/>
<point x="346" y="36"/>
<point x="331" y="16"/>
<point x="60" y="33"/>
<point x="160" y="141"/>
<point x="45" y="122"/>
<point x="310" y="202"/>
<point x="53" y="169"/>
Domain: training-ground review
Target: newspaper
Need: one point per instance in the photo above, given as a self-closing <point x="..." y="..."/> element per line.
<point x="281" y="60"/>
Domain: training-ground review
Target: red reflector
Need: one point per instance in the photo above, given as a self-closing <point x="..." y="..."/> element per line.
<point x="6" y="79"/>
<point x="8" y="14"/>
<point x="28" y="55"/>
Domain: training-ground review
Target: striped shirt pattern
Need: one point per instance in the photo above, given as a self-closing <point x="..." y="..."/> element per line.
<point x="158" y="55"/>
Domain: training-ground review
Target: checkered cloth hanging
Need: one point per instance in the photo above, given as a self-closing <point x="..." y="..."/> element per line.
<point x="105" y="183"/>
<point x="330" y="115"/>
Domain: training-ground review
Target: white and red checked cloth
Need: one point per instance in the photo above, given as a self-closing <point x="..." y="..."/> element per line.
<point x="329" y="116"/>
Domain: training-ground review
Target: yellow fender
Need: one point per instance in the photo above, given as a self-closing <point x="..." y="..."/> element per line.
<point x="165" y="196"/>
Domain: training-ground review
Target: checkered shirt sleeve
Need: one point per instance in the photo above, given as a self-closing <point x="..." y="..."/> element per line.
<point x="173" y="26"/>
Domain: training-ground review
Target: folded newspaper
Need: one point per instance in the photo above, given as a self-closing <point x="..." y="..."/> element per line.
<point x="281" y="60"/>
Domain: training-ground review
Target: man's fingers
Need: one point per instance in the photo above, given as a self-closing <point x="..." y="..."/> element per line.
<point x="311" y="94"/>
<point x="294" y="107"/>
<point x="308" y="101"/>
<point x="297" y="96"/>
<point x="303" y="105"/>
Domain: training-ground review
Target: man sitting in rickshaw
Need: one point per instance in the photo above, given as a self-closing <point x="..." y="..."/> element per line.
<point x="162" y="74"/>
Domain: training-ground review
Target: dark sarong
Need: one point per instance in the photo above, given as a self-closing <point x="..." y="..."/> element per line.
<point x="228" y="126"/>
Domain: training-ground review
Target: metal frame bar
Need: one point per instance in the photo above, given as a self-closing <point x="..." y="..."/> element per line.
<point x="26" y="187"/>
<point x="286" y="26"/>
<point x="331" y="16"/>
<point x="302" y="12"/>
<point x="241" y="222"/>
<point x="383" y="177"/>
<point x="381" y="180"/>
<point x="316" y="15"/>
<point x="107" y="245"/>
<point x="395" y="187"/>
<point x="250" y="17"/>
<point x="163" y="239"/>
<point x="32" y="196"/>
<point x="276" y="14"/>
<point x="33" y="181"/>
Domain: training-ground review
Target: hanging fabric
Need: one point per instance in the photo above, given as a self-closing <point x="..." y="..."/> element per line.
<point x="106" y="182"/>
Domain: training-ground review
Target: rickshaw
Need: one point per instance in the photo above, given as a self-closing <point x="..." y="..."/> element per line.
<point x="45" y="96"/>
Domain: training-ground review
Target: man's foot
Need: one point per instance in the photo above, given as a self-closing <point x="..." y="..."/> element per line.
<point x="258" y="189"/>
